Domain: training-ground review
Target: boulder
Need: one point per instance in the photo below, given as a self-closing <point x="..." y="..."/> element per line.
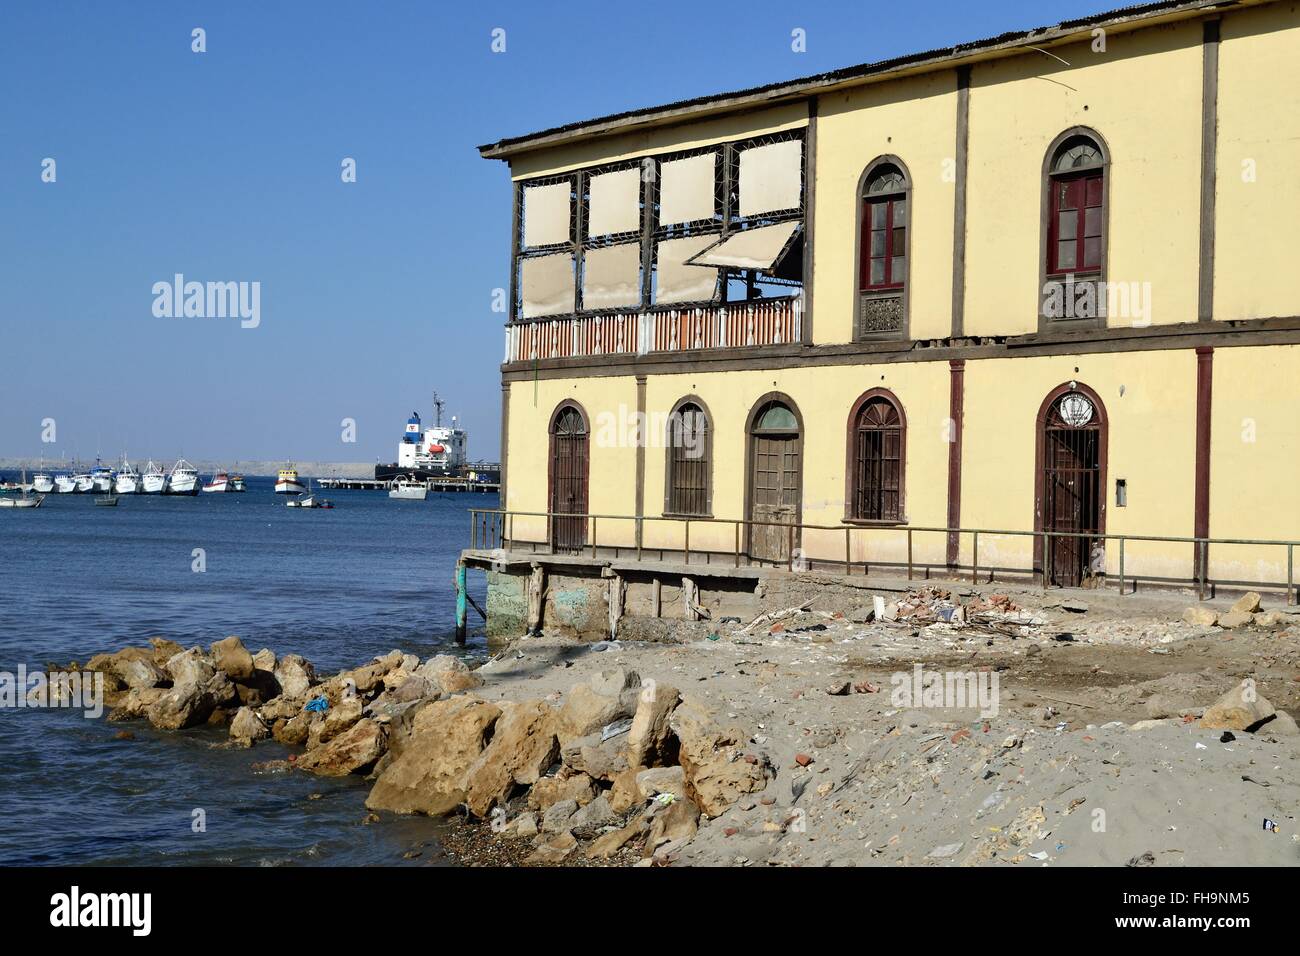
<point x="657" y="780"/>
<point x="549" y="791"/>
<point x="230" y="656"/>
<point x="450" y="674"/>
<point x="1167" y="705"/>
<point x="258" y="689"/>
<point x="1235" y="619"/>
<point x="610" y="843"/>
<point x="678" y="822"/>
<point x="625" y="793"/>
<point x="190" y="667"/>
<point x="264" y="660"/>
<point x="553" y="851"/>
<point x="415" y="687"/>
<point x="246" y="725"/>
<point x="593" y="816"/>
<point x="428" y="776"/>
<point x="557" y="816"/>
<point x="142" y="672"/>
<point x="1282" y="725"/>
<point x="1201" y="616"/>
<point x="586" y="711"/>
<point x="601" y="759"/>
<point x="335" y="721"/>
<point x="1248" y="603"/>
<point x="295" y="675"/>
<point x="136" y="703"/>
<point x="650" y="741"/>
<point x="524" y="825"/>
<point x="223" y="692"/>
<point x="1242" y="708"/>
<point x="523" y="746"/>
<point x="294" y="730"/>
<point x="350" y="752"/>
<point x="716" y="773"/>
<point x="163" y="650"/>
<point x="612" y="682"/>
<point x="1270" y="620"/>
<point x="184" y="705"/>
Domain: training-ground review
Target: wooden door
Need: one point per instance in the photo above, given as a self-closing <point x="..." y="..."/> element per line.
<point x="569" y="458"/>
<point x="774" y="491"/>
<point x="1071" y="489"/>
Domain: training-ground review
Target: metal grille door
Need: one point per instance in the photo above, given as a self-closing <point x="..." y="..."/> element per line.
<point x="1071" y="487"/>
<point x="569" y="457"/>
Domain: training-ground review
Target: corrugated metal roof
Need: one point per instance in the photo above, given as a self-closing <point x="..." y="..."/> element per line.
<point x="789" y="88"/>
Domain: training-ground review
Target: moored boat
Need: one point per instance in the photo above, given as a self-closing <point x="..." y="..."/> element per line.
<point x="127" y="480"/>
<point x="83" y="482"/>
<point x="65" y="484"/>
<point x="24" y="500"/>
<point x="407" y="489"/>
<point x="154" y="479"/>
<point x="101" y="478"/>
<point x="183" y="480"/>
<point x="42" y="482"/>
<point x="287" y="482"/>
<point x="237" y="483"/>
<point x="220" y="483"/>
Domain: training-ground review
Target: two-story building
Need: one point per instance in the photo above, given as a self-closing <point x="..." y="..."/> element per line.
<point x="1044" y="282"/>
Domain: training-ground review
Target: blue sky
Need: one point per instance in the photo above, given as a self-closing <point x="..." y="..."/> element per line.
<point x="225" y="166"/>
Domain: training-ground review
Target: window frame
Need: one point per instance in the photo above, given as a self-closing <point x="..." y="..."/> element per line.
<point x="669" y="461"/>
<point x="862" y="238"/>
<point x="1047" y="251"/>
<point x="851" y="460"/>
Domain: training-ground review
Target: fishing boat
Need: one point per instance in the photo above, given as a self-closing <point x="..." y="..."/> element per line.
<point x="127" y="481"/>
<point x="287" y="482"/>
<point x="309" y="500"/>
<point x="237" y="483"/>
<point x="101" y="478"/>
<point x="183" y="480"/>
<point x="83" y="482"/>
<point x="42" y="482"/>
<point x="154" y="479"/>
<point x="408" y="489"/>
<point x="65" y="484"/>
<point x="25" y="499"/>
<point x="220" y="483"/>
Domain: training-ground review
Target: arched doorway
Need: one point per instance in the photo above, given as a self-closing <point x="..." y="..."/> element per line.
<point x="775" y="478"/>
<point x="567" y="480"/>
<point x="1070" y="478"/>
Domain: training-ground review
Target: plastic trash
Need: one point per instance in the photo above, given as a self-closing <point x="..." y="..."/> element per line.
<point x="318" y="705"/>
<point x="1271" y="826"/>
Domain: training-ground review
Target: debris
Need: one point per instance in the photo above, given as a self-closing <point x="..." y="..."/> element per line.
<point x="945" y="851"/>
<point x="1228" y="737"/>
<point x="1146" y="859"/>
<point x="317" y="705"/>
<point x="840" y="690"/>
<point x="774" y="616"/>
<point x="802" y="760"/>
<point x="1271" y="826"/>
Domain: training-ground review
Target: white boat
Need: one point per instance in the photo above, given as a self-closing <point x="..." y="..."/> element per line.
<point x="24" y="500"/>
<point x="83" y="483"/>
<point x="66" y="484"/>
<point x="408" y="489"/>
<point x="101" y="478"/>
<point x="42" y="483"/>
<point x="237" y="483"/>
<point x="154" y="479"/>
<point x="184" y="479"/>
<point x="220" y="482"/>
<point x="287" y="483"/>
<point x="127" y="481"/>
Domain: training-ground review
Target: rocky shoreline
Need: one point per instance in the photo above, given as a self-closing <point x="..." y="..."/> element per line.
<point x="779" y="742"/>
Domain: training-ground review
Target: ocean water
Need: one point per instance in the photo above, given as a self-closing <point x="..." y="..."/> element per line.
<point x="337" y="586"/>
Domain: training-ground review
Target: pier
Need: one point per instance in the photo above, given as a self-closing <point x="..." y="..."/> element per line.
<point x="433" y="484"/>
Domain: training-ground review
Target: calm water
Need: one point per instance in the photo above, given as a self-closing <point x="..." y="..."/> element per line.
<point x="336" y="586"/>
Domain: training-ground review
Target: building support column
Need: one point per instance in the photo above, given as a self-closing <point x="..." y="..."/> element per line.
<point x="959" y="204"/>
<point x="956" y="409"/>
<point x="809" y="218"/>
<point x="1204" y="406"/>
<point x="1209" y="164"/>
<point x="640" y="457"/>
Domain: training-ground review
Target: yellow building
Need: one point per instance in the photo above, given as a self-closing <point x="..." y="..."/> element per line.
<point x="1038" y="286"/>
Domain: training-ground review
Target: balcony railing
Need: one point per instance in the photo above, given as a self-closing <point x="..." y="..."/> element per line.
<point x="736" y="325"/>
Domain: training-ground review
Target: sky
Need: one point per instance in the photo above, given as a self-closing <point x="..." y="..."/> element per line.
<point x="227" y="166"/>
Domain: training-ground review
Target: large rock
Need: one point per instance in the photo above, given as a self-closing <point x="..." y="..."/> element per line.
<point x="142" y="672"/>
<point x="657" y="780"/>
<point x="337" y="719"/>
<point x="428" y="776"/>
<point x="295" y="675"/>
<point x="136" y="703"/>
<point x="163" y="650"/>
<point x="1201" y="616"/>
<point x="349" y="752"/>
<point x="601" y="759"/>
<point x="586" y="711"/>
<point x="230" y="656"/>
<point x="557" y="817"/>
<point x="450" y="674"/>
<point x="1234" y="619"/>
<point x="717" y="773"/>
<point x="523" y="746"/>
<point x="650" y="741"/>
<point x="1248" y="603"/>
<point x="1282" y="724"/>
<point x="676" y="823"/>
<point x="1242" y="708"/>
<point x="614" y="681"/>
<point x="190" y="667"/>
<point x="625" y="793"/>
<point x="112" y="663"/>
<point x="185" y="705"/>
<point x="294" y="730"/>
<point x="264" y="660"/>
<point x="593" y="816"/>
<point x="546" y="792"/>
<point x="223" y="692"/>
<point x="610" y="843"/>
<point x="246" y="725"/>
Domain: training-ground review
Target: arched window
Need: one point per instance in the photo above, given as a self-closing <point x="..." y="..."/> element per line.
<point x="885" y="203"/>
<point x="1076" y="217"/>
<point x="690" y="460"/>
<point x="877" y="446"/>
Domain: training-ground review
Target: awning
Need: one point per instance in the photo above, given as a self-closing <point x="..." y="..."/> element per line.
<point x="762" y="249"/>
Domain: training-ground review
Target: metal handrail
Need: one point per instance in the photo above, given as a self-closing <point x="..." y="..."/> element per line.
<point x="495" y="529"/>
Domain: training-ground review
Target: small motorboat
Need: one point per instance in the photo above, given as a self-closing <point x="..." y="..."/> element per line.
<point x="220" y="483"/>
<point x="408" y="489"/>
<point x="309" y="501"/>
<point x="236" y="483"/>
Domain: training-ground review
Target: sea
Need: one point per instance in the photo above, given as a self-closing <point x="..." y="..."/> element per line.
<point x="337" y="586"/>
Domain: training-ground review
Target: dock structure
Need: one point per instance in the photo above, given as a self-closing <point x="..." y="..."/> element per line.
<point x="433" y="484"/>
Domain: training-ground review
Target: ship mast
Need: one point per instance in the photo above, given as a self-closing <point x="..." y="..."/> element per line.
<point x="437" y="410"/>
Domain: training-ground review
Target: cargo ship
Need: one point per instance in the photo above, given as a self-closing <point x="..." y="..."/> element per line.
<point x="436" y="452"/>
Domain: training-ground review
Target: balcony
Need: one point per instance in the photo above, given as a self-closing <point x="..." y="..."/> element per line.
<point x="734" y="325"/>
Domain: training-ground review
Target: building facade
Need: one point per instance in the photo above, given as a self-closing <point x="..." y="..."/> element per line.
<point x="1041" y="283"/>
